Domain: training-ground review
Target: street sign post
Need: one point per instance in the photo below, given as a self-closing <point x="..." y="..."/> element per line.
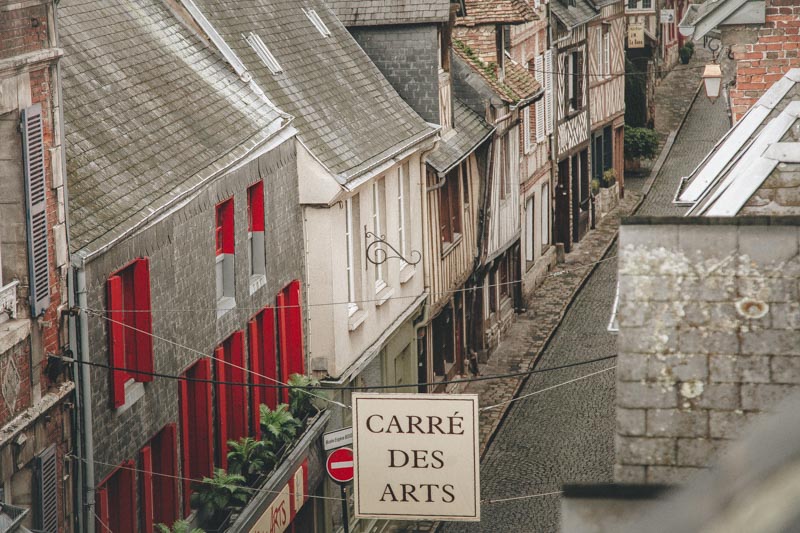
<point x="340" y="468"/>
<point x="416" y="456"/>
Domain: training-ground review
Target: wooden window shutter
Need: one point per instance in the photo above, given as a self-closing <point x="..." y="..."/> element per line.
<point x="125" y="506"/>
<point x="255" y="206"/>
<point x="255" y="347"/>
<point x="540" y="113"/>
<point x="579" y="80"/>
<point x="444" y="214"/>
<point x="283" y="340"/>
<point x="269" y="361"/>
<point x="548" y="95"/>
<point x="186" y="455"/>
<point x="143" y="319"/>
<point x="102" y="514"/>
<point x="296" y="358"/>
<point x="146" y="475"/>
<point x="46" y="473"/>
<point x="237" y="394"/>
<point x="35" y="194"/>
<point x="116" y="341"/>
<point x="165" y="487"/>
<point x="221" y="393"/>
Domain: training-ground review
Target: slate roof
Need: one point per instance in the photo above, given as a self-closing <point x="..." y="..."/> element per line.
<point x="390" y="12"/>
<point x="149" y="113"/>
<point x="572" y="17"/>
<point x="700" y="19"/>
<point x="347" y="113"/>
<point x="496" y="12"/>
<point x="469" y="132"/>
<point x="743" y="159"/>
<point x="518" y="84"/>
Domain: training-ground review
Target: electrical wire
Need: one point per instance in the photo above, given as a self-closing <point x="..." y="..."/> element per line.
<point x="105" y="526"/>
<point x="506" y="402"/>
<point x="526" y="497"/>
<point x="212" y="357"/>
<point x="192" y="480"/>
<point x="334" y="389"/>
<point x="554" y="274"/>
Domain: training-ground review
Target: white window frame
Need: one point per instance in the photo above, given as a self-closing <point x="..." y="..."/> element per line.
<point x="526" y="128"/>
<point x="541" y="126"/>
<point x="352" y="303"/>
<point x="544" y="213"/>
<point x="530" y="212"/>
<point x="548" y="78"/>
<point x="601" y="73"/>
<point x="607" y="54"/>
<point x="377" y="225"/>
<point x="403" y="190"/>
<point x="571" y="88"/>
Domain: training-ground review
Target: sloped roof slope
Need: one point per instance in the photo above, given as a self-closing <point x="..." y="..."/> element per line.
<point x="347" y="113"/>
<point x="390" y="12"/>
<point x="469" y="131"/>
<point x="149" y="114"/>
<point x="517" y="85"/>
<point x="572" y="17"/>
<point x="745" y="157"/>
<point x="496" y="12"/>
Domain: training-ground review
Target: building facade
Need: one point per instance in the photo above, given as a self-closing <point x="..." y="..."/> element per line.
<point x="36" y="389"/>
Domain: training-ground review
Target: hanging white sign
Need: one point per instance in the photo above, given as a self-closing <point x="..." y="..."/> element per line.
<point x="416" y="456"/>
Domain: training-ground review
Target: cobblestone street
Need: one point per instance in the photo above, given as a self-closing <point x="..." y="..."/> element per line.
<point x="565" y="435"/>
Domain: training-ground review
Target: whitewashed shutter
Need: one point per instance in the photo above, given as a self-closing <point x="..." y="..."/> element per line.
<point x="540" y="104"/>
<point x="548" y="87"/>
<point x="46" y="491"/>
<point x="526" y="128"/>
<point x="607" y="55"/>
<point x="33" y="156"/>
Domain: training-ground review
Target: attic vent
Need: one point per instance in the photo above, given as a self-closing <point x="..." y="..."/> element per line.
<point x="263" y="53"/>
<point x="317" y="22"/>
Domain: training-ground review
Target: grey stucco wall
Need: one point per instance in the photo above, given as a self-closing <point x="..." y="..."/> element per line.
<point x="408" y="56"/>
<point x="696" y="362"/>
<point x="183" y="298"/>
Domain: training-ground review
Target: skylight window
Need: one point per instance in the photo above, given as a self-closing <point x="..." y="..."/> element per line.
<point x="317" y="22"/>
<point x="263" y="53"/>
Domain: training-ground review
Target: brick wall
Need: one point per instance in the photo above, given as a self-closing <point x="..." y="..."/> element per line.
<point x="696" y="361"/>
<point x="762" y="62"/>
<point x="409" y="58"/>
<point x="23" y="30"/>
<point x="182" y="261"/>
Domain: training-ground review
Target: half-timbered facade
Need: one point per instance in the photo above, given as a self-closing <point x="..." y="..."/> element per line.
<point x="414" y="54"/>
<point x="569" y="27"/>
<point x="496" y="86"/>
<point x="606" y="75"/>
<point x="530" y="47"/>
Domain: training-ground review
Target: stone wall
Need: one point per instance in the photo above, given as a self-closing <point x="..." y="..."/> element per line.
<point x="709" y="317"/>
<point x="779" y="194"/>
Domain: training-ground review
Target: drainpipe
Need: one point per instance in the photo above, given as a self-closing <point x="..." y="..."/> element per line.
<point x="86" y="397"/>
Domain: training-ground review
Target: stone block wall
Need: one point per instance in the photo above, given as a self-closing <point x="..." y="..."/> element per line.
<point x="779" y="194"/>
<point x="764" y="60"/>
<point x="709" y="316"/>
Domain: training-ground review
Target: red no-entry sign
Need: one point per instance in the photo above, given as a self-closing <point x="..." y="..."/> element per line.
<point x="340" y="465"/>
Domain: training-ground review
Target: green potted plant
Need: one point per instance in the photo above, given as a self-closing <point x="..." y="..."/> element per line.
<point x="216" y="496"/>
<point x="250" y="458"/>
<point x="685" y="53"/>
<point x="301" y="403"/>
<point x="180" y="526"/>
<point x="609" y="177"/>
<point x="279" y="424"/>
<point x="595" y="184"/>
<point x="640" y="143"/>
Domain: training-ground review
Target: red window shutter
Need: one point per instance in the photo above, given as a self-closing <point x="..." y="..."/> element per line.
<point x="116" y="341"/>
<point x="103" y="516"/>
<point x="222" y="406"/>
<point x="144" y="319"/>
<point x="146" y="458"/>
<point x="283" y="341"/>
<point x="165" y="486"/>
<point x="255" y="347"/>
<point x="269" y="361"/>
<point x="255" y="206"/>
<point x="204" y="426"/>
<point x="185" y="445"/>
<point x="124" y="505"/>
<point x="224" y="223"/>
<point x="237" y="394"/>
<point x="296" y="358"/>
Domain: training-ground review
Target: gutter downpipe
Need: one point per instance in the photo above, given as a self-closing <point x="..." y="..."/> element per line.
<point x="86" y="397"/>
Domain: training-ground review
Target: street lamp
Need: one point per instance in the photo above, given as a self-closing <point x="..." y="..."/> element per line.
<point x="712" y="79"/>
